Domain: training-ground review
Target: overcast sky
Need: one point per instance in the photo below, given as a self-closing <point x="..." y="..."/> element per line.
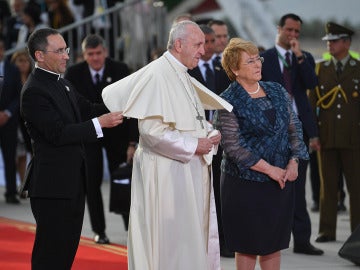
<point x="336" y="10"/>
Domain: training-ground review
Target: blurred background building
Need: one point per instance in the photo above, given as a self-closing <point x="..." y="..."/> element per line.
<point x="136" y="28"/>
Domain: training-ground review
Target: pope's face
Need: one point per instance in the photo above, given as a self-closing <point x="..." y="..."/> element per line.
<point x="192" y="47"/>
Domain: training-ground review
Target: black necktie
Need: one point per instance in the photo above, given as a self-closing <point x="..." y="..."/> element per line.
<point x="210" y="78"/>
<point x="338" y="68"/>
<point x="210" y="83"/>
<point x="97" y="78"/>
<point x="287" y="73"/>
<point x="216" y="62"/>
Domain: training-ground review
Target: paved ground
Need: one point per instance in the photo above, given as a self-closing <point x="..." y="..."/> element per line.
<point x="117" y="234"/>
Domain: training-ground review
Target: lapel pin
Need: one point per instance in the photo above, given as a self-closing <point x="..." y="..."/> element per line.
<point x="67" y="88"/>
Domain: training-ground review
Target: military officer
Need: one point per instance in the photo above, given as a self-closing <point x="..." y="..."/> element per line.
<point x="336" y="101"/>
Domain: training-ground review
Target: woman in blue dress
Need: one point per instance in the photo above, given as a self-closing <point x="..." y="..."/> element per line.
<point x="262" y="144"/>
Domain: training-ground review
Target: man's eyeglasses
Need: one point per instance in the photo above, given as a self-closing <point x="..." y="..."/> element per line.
<point x="60" y="51"/>
<point x="252" y="61"/>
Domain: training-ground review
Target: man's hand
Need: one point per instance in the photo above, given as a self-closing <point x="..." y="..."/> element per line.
<point x="295" y="47"/>
<point x="4" y="117"/>
<point x="110" y="119"/>
<point x="130" y="153"/>
<point x="314" y="144"/>
<point x="204" y="146"/>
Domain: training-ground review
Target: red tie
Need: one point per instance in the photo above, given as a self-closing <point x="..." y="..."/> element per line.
<point x="287" y="73"/>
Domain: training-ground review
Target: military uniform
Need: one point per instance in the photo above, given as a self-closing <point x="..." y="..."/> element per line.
<point x="336" y="101"/>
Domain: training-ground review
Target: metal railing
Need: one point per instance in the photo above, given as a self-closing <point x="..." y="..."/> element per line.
<point x="117" y="31"/>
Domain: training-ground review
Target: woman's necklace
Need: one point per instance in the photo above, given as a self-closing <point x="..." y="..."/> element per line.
<point x="256" y="91"/>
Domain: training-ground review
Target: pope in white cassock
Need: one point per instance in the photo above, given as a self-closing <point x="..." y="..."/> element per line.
<point x="172" y="216"/>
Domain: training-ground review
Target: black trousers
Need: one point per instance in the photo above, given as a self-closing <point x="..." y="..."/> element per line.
<point x="301" y="229"/>
<point x="94" y="161"/>
<point x="58" y="231"/>
<point x="216" y="185"/>
<point x="8" y="142"/>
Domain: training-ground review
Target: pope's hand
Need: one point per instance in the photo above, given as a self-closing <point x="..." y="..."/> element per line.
<point x="204" y="146"/>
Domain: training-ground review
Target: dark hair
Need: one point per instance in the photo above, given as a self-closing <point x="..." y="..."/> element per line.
<point x="289" y="16"/>
<point x="92" y="41"/>
<point x="216" y="22"/>
<point x="38" y="40"/>
<point x="206" y="29"/>
<point x="34" y="11"/>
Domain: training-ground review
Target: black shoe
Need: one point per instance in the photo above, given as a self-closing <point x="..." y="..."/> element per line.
<point x="341" y="207"/>
<point x="12" y="199"/>
<point x="315" y="207"/>
<point x="101" y="239"/>
<point x="308" y="249"/>
<point x="324" y="238"/>
<point x="225" y="252"/>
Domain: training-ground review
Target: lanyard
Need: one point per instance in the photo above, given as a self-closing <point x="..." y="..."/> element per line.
<point x="286" y="65"/>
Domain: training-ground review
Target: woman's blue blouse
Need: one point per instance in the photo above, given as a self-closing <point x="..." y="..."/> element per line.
<point x="258" y="128"/>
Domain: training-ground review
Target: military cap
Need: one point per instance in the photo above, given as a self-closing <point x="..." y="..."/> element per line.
<point x="335" y="31"/>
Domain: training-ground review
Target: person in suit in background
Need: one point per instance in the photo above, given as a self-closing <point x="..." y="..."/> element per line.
<point x="217" y="81"/>
<point x="56" y="173"/>
<point x="13" y="24"/>
<point x="294" y="69"/>
<point x="31" y="17"/>
<point x="95" y="7"/>
<point x="221" y="39"/>
<point x="97" y="71"/>
<point x="5" y="13"/>
<point x="336" y="99"/>
<point x="22" y="60"/>
<point x="9" y="115"/>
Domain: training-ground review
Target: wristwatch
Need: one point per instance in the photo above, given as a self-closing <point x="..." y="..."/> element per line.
<point x="300" y="58"/>
<point x="295" y="159"/>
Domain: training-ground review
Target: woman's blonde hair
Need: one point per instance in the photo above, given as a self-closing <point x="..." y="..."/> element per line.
<point x="231" y="57"/>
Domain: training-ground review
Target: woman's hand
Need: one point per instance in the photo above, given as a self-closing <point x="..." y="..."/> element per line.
<point x="292" y="170"/>
<point x="278" y="175"/>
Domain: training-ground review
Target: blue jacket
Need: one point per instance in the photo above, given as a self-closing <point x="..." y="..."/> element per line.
<point x="248" y="135"/>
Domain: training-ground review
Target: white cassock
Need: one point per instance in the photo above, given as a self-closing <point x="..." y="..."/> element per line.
<point x="172" y="217"/>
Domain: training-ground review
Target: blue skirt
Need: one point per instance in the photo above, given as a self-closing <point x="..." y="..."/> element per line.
<point x="257" y="216"/>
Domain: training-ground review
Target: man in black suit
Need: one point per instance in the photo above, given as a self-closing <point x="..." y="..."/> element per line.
<point x="9" y="113"/>
<point x="56" y="174"/>
<point x="296" y="74"/>
<point x="214" y="78"/>
<point x="96" y="72"/>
